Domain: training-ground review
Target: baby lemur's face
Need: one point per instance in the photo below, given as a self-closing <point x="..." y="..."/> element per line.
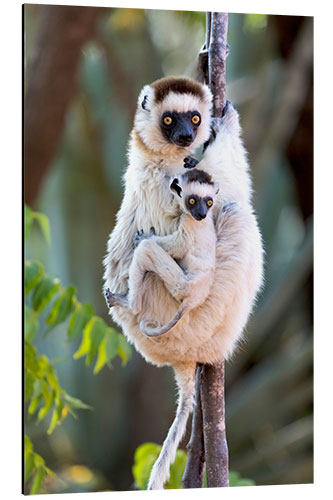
<point x="195" y="192"/>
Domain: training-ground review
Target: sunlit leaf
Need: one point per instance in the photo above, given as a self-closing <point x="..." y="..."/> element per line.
<point x="177" y="471"/>
<point x="44" y="292"/>
<point x="56" y="417"/>
<point x="33" y="272"/>
<point x="79" y="319"/>
<point x="124" y="349"/>
<point x="76" y="403"/>
<point x="144" y="458"/>
<point x="30" y="324"/>
<point x="48" y="397"/>
<point x="61" y="307"/>
<point x="28" y="385"/>
<point x="38" y="480"/>
<point x="28" y="221"/>
<point x="36" y="397"/>
<point x="44" y="225"/>
<point x="101" y="357"/>
<point x="96" y="336"/>
<point x="29" y="465"/>
<point x="107" y="350"/>
<point x="27" y="447"/>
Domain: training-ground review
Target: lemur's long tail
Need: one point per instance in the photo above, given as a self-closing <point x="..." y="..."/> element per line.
<point x="185" y="376"/>
<point x="161" y="330"/>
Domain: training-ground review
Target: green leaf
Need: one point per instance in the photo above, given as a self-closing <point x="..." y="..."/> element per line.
<point x="33" y="272"/>
<point x="38" y="480"/>
<point x="48" y="401"/>
<point x="62" y="307"/>
<point x="107" y="349"/>
<point x="76" y="403"/>
<point x="177" y="471"/>
<point x="56" y="417"/>
<point x="28" y="448"/>
<point x="93" y="334"/>
<point x="36" y="397"/>
<point x="79" y="319"/>
<point x="101" y="357"/>
<point x="96" y="336"/>
<point x="28" y="221"/>
<point x="124" y="349"/>
<point x="112" y="343"/>
<point x="44" y="225"/>
<point x="44" y="292"/>
<point x="28" y="385"/>
<point x="30" y="324"/>
<point x="29" y="465"/>
<point x="144" y="459"/>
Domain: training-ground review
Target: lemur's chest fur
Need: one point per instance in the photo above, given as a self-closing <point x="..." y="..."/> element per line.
<point x="157" y="207"/>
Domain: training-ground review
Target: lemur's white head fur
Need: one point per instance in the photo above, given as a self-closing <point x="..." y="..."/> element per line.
<point x="179" y="96"/>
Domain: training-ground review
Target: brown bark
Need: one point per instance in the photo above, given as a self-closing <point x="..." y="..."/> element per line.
<point x="217" y="55"/>
<point x="208" y="437"/>
<point x="213" y="416"/>
<point x="52" y="82"/>
<point x="195" y="465"/>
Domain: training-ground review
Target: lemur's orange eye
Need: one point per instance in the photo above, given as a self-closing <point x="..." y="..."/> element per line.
<point x="167" y="120"/>
<point x="209" y="203"/>
<point x="191" y="201"/>
<point x="195" y="119"/>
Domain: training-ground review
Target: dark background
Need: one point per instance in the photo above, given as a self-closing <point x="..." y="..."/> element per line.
<point x="83" y="70"/>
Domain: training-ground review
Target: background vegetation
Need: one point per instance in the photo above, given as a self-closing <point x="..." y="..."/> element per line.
<point x="83" y="72"/>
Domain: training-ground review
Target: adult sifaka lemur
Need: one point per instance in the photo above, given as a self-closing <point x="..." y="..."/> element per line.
<point x="171" y="121"/>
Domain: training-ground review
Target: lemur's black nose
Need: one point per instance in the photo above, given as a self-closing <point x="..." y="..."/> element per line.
<point x="185" y="139"/>
<point x="200" y="215"/>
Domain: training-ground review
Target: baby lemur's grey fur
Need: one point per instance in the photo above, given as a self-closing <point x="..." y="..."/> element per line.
<point x="193" y="245"/>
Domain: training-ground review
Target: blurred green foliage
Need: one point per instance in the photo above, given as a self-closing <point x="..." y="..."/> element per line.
<point x="145" y="457"/>
<point x="42" y="390"/>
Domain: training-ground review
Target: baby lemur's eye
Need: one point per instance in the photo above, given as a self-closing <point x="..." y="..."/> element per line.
<point x="167" y="120"/>
<point x="209" y="203"/>
<point x="196" y="119"/>
<point x="192" y="201"/>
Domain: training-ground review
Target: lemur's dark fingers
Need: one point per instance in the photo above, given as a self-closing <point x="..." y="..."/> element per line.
<point x="108" y="297"/>
<point x="190" y="162"/>
<point x="152" y="231"/>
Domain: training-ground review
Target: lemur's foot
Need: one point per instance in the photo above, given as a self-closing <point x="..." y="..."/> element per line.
<point x="115" y="299"/>
<point x="190" y="162"/>
<point x="140" y="236"/>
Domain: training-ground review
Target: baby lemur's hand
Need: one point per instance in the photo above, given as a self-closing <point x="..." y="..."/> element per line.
<point x="190" y="162"/>
<point x="140" y="235"/>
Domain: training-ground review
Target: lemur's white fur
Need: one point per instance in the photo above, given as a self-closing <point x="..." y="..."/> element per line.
<point x="211" y="331"/>
<point x="193" y="245"/>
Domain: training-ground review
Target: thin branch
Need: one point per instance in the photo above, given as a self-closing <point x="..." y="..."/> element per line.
<point x="213" y="415"/>
<point x="195" y="465"/>
<point x="217" y="55"/>
<point x="212" y="376"/>
<point x="208" y="437"/>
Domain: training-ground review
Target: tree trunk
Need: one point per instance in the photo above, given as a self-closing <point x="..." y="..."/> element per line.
<point x="52" y="82"/>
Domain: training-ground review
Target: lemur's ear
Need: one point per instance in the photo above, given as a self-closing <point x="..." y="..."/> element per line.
<point x="217" y="187"/>
<point x="144" y="103"/>
<point x="174" y="186"/>
<point x="145" y="98"/>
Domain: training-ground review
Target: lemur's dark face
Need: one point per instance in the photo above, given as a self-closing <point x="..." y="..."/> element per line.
<point x="180" y="128"/>
<point x="198" y="207"/>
